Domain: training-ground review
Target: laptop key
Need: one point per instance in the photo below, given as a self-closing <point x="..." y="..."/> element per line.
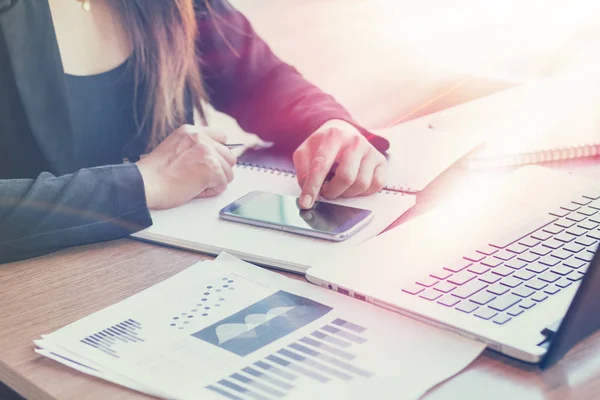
<point x="524" y="275"/>
<point x="469" y="289"/>
<point x="517" y="248"/>
<point x="575" y="277"/>
<point x="585" y="241"/>
<point x="467" y="307"/>
<point x="430" y="294"/>
<point x="563" y="283"/>
<point x="576" y="231"/>
<point x="537" y="267"/>
<point x="539" y="297"/>
<point x="585" y="256"/>
<point x="485" y="313"/>
<point x="574" y="263"/>
<point x="552" y="289"/>
<point x="582" y="201"/>
<point x="561" y="270"/>
<point x="504" y="302"/>
<point x="573" y="247"/>
<point x="462" y="277"/>
<point x="474" y="257"/>
<point x="570" y="207"/>
<point x="523" y="291"/>
<point x="511" y="282"/>
<point x="497" y="289"/>
<point x="490" y="278"/>
<point x="523" y="230"/>
<point x="559" y="212"/>
<point x="457" y="266"/>
<point x="482" y="298"/>
<point x="478" y="269"/>
<point x="541" y="235"/>
<point x="515" y="264"/>
<point x="561" y="254"/>
<point x="441" y="274"/>
<point x="503" y="271"/>
<point x="575" y="217"/>
<point x="595" y="234"/>
<point x="427" y="281"/>
<point x="502" y="319"/>
<point x="515" y="311"/>
<point x="448" y="301"/>
<point x="527" y="304"/>
<point x="487" y="250"/>
<point x="444" y="287"/>
<point x="536" y="284"/>
<point x="587" y="211"/>
<point x="549" y="277"/>
<point x="529" y="257"/>
<point x="564" y="237"/>
<point x="565" y="223"/>
<point x="542" y="250"/>
<point x="553" y="229"/>
<point x="504" y="255"/>
<point x="549" y="260"/>
<point x="592" y="194"/>
<point x="413" y="289"/>
<point x="491" y="262"/>
<point x="529" y="241"/>
<point x="588" y="225"/>
<point x="552" y="244"/>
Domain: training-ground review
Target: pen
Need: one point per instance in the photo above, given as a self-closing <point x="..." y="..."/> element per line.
<point x="234" y="145"/>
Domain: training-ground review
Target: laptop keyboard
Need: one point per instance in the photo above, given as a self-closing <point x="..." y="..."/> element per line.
<point x="513" y="273"/>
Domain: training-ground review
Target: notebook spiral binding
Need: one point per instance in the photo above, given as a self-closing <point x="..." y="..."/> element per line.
<point x="391" y="190"/>
<point x="550" y="155"/>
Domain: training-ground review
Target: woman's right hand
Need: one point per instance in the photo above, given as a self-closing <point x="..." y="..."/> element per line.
<point x="192" y="162"/>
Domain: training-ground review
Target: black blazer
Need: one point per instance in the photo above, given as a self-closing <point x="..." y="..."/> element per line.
<point x="47" y="202"/>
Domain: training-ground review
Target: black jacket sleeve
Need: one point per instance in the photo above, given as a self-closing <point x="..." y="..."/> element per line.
<point x="247" y="81"/>
<point x="42" y="215"/>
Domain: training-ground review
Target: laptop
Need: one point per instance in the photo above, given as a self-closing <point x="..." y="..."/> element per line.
<point x="499" y="262"/>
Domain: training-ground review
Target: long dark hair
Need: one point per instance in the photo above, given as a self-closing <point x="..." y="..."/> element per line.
<point x="164" y="34"/>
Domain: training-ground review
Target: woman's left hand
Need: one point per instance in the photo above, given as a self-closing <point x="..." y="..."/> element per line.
<point x="361" y="169"/>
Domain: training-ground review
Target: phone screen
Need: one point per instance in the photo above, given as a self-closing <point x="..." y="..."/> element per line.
<point x="284" y="210"/>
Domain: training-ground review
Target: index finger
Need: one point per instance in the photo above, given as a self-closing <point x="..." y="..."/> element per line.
<point x="320" y="164"/>
<point x="215" y="134"/>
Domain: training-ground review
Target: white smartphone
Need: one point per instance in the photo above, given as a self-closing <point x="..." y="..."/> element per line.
<point x="275" y="211"/>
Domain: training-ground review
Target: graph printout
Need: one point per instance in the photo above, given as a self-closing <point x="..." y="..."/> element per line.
<point x="229" y="330"/>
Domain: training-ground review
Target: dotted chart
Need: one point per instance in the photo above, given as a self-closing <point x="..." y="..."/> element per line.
<point x="209" y="300"/>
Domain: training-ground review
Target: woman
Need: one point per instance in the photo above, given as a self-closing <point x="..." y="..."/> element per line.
<point x="87" y="84"/>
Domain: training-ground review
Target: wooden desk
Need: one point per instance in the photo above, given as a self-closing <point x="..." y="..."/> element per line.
<point x="41" y="295"/>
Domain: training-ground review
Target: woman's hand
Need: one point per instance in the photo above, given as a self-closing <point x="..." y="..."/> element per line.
<point x="361" y="169"/>
<point x="192" y="162"/>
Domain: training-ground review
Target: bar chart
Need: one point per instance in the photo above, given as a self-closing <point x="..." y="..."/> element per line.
<point x="108" y="340"/>
<point x="320" y="357"/>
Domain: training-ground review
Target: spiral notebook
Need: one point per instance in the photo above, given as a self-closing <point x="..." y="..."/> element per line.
<point x="197" y="226"/>
<point x="549" y="119"/>
<point x="419" y="152"/>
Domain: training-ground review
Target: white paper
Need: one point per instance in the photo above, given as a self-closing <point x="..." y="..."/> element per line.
<point x="213" y="328"/>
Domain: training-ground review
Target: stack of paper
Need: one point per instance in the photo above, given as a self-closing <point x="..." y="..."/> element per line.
<point x="229" y="330"/>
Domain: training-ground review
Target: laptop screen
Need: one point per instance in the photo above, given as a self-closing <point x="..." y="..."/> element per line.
<point x="582" y="318"/>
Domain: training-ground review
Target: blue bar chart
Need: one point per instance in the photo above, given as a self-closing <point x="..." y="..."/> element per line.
<point x="323" y="356"/>
<point x="108" y="340"/>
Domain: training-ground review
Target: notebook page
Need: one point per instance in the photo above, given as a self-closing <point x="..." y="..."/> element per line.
<point x="197" y="225"/>
<point x="419" y="152"/>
